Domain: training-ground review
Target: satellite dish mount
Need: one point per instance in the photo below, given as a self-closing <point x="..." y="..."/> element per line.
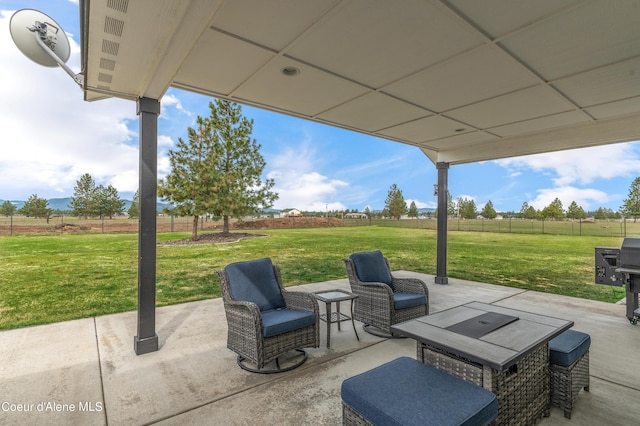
<point x="42" y="40"/>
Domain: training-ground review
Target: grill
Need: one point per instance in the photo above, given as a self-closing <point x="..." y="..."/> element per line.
<point x="629" y="265"/>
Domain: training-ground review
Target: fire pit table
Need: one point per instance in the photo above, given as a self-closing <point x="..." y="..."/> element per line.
<point x="503" y="350"/>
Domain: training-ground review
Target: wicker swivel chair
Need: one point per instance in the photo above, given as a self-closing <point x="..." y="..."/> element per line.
<point x="383" y="300"/>
<point x="264" y="320"/>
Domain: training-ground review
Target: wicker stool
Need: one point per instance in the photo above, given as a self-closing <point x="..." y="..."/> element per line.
<point x="569" y="368"/>
<point x="408" y="392"/>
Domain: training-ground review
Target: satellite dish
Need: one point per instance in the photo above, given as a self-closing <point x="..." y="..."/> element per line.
<point x="41" y="39"/>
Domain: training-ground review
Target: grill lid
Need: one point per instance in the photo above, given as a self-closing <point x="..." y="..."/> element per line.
<point x="630" y="253"/>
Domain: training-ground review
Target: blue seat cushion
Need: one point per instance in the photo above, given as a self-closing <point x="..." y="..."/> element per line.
<point x="278" y="321"/>
<point x="407" y="392"/>
<point x="408" y="300"/>
<point x="254" y="281"/>
<point x="371" y="267"/>
<point x="568" y="347"/>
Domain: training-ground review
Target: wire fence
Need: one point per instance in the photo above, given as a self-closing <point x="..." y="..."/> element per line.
<point x="20" y="225"/>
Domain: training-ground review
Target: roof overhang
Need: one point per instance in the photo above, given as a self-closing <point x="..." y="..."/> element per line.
<point x="462" y="80"/>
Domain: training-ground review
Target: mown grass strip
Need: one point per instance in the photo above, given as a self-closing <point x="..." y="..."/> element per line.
<point x="46" y="279"/>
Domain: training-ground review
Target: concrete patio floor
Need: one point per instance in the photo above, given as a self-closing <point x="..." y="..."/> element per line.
<point x="85" y="372"/>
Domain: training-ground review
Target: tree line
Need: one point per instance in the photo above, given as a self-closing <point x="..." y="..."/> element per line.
<point x="88" y="200"/>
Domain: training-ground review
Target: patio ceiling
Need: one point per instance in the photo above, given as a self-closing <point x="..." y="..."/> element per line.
<point x="462" y="80"/>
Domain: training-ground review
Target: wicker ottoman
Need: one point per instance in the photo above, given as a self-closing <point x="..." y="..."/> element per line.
<point x="408" y="392"/>
<point x="569" y="368"/>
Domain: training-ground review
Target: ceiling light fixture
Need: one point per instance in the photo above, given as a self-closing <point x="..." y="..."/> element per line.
<point x="290" y="71"/>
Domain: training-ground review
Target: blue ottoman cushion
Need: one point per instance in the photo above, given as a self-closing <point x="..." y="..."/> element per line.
<point x="568" y="347"/>
<point x="407" y="392"/>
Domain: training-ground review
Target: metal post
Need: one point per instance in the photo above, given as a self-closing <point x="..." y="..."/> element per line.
<point x="147" y="340"/>
<point x="441" y="256"/>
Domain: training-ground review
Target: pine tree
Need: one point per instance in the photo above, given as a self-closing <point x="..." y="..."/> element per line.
<point x="413" y="210"/>
<point x="107" y="202"/>
<point x="218" y="170"/>
<point x="395" y="205"/>
<point x="134" y="208"/>
<point x="574" y="211"/>
<point x="554" y="210"/>
<point x="631" y="206"/>
<point x="8" y="208"/>
<point x="488" y="212"/>
<point x="36" y="207"/>
<point x="82" y="199"/>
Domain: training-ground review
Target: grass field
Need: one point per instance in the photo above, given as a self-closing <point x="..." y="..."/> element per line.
<point x="53" y="278"/>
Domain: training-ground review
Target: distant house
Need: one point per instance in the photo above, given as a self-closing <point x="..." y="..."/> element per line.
<point x="355" y="216"/>
<point x="291" y="213"/>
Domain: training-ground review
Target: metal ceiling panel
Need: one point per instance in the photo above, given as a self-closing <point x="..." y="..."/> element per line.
<point x="372" y="112"/>
<point x="256" y="20"/>
<point x="593" y="35"/>
<point x="482" y="73"/>
<point x="307" y="94"/>
<point x="425" y="129"/>
<point x="241" y="61"/>
<point x="534" y="102"/>
<point x="601" y="85"/>
<point x="500" y="17"/>
<point x="463" y="80"/>
<point x="377" y="42"/>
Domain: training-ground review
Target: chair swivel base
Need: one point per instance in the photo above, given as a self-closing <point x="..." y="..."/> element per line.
<point x="372" y="329"/>
<point x="241" y="363"/>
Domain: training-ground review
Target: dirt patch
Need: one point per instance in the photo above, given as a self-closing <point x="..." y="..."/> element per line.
<point x="72" y="225"/>
<point x="216" y="238"/>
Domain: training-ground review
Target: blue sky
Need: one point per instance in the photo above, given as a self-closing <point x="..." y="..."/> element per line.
<point x="49" y="137"/>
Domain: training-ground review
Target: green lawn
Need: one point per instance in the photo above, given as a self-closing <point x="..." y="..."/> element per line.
<point x="60" y="277"/>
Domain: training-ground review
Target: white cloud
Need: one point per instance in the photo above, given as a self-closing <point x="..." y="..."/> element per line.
<point x="299" y="185"/>
<point x="422" y="205"/>
<point x="580" y="166"/>
<point x="50" y="136"/>
<point x="171" y="100"/>
<point x="586" y="198"/>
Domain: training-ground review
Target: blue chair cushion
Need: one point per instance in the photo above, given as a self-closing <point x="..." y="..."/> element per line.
<point x="254" y="281"/>
<point x="407" y="392"/>
<point x="408" y="300"/>
<point x="278" y="321"/>
<point x="371" y="267"/>
<point x="568" y="347"/>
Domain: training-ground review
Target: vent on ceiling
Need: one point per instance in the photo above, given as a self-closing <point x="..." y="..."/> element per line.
<point x="107" y="64"/>
<point x="113" y="26"/>
<point x="119" y="5"/>
<point x="105" y="78"/>
<point x="110" y="47"/>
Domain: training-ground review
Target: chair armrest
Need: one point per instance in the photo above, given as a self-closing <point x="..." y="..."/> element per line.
<point x="410" y="285"/>
<point x="300" y="300"/>
<point x="244" y="315"/>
